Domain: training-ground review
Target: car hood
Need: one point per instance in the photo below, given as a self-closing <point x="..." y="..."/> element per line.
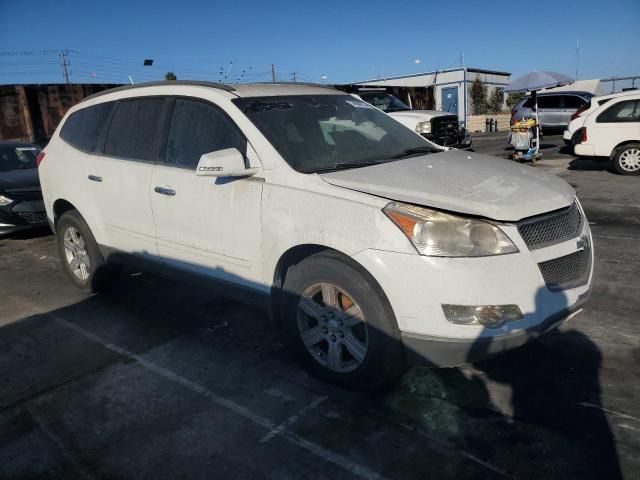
<point x="461" y="182"/>
<point x="16" y="180"/>
<point x="420" y="115"/>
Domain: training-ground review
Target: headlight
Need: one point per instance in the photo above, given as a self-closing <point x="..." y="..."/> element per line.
<point x="440" y="234"/>
<point x="5" y="201"/>
<point x="423" y="127"/>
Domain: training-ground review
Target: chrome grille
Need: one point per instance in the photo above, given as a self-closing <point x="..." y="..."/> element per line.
<point x="569" y="271"/>
<point x="545" y="230"/>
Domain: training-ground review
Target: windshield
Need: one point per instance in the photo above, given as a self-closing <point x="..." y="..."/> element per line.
<point x="384" y="101"/>
<point x="17" y="158"/>
<point x="316" y="133"/>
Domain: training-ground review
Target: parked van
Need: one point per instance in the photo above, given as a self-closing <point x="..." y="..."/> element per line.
<point x="554" y="109"/>
<point x="613" y="131"/>
<point x="375" y="247"/>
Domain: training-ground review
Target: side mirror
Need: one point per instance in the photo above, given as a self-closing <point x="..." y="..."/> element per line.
<point x="223" y="163"/>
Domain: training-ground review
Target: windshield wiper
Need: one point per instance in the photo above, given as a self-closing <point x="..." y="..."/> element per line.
<point x="344" y="166"/>
<point x="415" y="151"/>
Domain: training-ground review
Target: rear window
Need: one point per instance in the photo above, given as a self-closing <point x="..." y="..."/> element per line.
<point x="133" y="132"/>
<point x="572" y="101"/>
<point x="84" y="128"/>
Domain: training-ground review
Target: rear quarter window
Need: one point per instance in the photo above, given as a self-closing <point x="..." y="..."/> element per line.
<point x="84" y="128"/>
<point x="621" y="112"/>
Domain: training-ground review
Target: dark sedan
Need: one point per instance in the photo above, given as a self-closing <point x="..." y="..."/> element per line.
<point x="21" y="205"/>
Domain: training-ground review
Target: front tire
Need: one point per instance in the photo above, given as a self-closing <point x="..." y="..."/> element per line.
<point x="340" y="323"/>
<point x="626" y="159"/>
<point x="79" y="253"/>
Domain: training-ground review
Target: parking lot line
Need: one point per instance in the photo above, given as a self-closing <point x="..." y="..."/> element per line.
<point x="292" y="419"/>
<point x="281" y="430"/>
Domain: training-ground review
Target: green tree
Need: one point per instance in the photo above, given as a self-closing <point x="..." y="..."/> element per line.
<point x="170" y="76"/>
<point x="478" y="92"/>
<point x="514" y="98"/>
<point x="496" y="99"/>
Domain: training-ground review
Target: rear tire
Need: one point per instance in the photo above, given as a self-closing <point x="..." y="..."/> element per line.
<point x="340" y="324"/>
<point x="626" y="159"/>
<point x="79" y="253"/>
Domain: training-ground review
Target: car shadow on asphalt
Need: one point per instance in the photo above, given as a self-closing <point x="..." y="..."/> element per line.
<point x="591" y="165"/>
<point x="521" y="414"/>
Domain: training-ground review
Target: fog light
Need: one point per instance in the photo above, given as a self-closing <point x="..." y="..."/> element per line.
<point x="490" y="316"/>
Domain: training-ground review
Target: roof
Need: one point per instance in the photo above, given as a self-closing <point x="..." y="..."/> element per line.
<point x="459" y="69"/>
<point x="240" y="89"/>
<point x="589" y="86"/>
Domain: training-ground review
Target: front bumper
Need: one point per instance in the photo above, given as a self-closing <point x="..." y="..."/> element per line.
<point x="423" y="350"/>
<point x="22" y="215"/>
<point x="462" y="140"/>
<point x="418" y="286"/>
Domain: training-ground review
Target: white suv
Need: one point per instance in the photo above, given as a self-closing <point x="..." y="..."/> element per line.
<point x="613" y="131"/>
<point x="374" y="247"/>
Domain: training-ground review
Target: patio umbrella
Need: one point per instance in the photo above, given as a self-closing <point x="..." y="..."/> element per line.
<point x="534" y="81"/>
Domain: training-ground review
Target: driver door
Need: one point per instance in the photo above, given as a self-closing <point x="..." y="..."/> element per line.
<point x="210" y="225"/>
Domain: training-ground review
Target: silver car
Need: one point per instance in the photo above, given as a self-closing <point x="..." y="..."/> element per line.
<point x="554" y="109"/>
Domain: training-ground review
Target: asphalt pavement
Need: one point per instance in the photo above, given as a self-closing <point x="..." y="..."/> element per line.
<point x="159" y="379"/>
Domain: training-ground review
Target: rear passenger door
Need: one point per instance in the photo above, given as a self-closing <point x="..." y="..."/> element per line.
<point x="550" y="111"/>
<point x="206" y="224"/>
<point x="119" y="178"/>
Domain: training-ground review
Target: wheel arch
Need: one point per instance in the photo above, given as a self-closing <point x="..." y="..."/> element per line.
<point x="60" y="207"/>
<point x="297" y="254"/>
<point x="622" y="144"/>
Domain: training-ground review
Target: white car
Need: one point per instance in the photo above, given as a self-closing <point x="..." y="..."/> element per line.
<point x="613" y="131"/>
<point x="571" y="135"/>
<point x="441" y="128"/>
<point x="374" y="247"/>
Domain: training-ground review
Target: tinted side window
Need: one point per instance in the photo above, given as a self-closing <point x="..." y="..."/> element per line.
<point x="571" y="101"/>
<point x="627" y="111"/>
<point x="528" y="103"/>
<point x="134" y="129"/>
<point x="84" y="128"/>
<point x="198" y="128"/>
<point x="552" y="101"/>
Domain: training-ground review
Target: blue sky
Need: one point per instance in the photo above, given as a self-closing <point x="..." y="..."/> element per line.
<point x="346" y="41"/>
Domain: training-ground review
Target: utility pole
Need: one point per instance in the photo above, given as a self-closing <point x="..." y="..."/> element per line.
<point x="293" y="75"/>
<point x="273" y="73"/>
<point x="64" y="56"/>
<point x="577" y="59"/>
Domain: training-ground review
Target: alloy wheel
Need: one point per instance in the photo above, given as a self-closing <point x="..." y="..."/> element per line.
<point x="630" y="160"/>
<point x="75" y="250"/>
<point x="332" y="327"/>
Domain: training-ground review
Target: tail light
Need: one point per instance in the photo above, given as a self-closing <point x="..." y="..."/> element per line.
<point x="583" y="134"/>
<point x="579" y="112"/>
<point x="39" y="158"/>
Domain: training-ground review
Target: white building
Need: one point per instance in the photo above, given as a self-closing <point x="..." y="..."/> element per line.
<point x="445" y="90"/>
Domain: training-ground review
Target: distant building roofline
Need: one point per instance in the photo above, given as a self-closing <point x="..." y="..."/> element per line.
<point x="468" y="69"/>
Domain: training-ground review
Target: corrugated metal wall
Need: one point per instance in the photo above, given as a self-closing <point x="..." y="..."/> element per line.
<point x="32" y="112"/>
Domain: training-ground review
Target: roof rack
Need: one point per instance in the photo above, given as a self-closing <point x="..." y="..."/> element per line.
<point x="198" y="83"/>
<point x="307" y="84"/>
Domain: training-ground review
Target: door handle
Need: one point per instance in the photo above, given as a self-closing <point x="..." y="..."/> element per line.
<point x="95" y="178"/>
<point x="165" y="191"/>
